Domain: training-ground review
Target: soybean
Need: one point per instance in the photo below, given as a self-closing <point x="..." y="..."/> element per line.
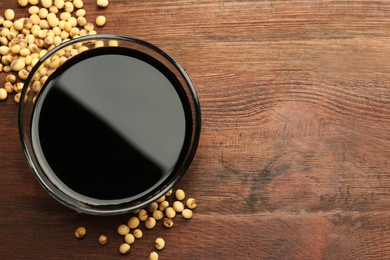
<point x="103" y="240"/>
<point x="123" y="229"/>
<point x="159" y="243"/>
<point x="9" y="14"/>
<point x="191" y="203"/>
<point x="102" y="3"/>
<point x="170" y="212"/>
<point x="23" y="3"/>
<point x="129" y="239"/>
<point x="80" y="232"/>
<point x="143" y="215"/>
<point x="178" y="206"/>
<point x="187" y="214"/>
<point x="167" y="222"/>
<point x="180" y="194"/>
<point x="101" y="20"/>
<point x="158" y="214"/>
<point x="133" y="222"/>
<point x="150" y="223"/>
<point x="124" y="248"/>
<point x="137" y="233"/>
<point x="3" y="94"/>
<point x="153" y="256"/>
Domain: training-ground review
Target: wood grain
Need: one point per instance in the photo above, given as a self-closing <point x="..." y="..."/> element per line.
<point x="293" y="161"/>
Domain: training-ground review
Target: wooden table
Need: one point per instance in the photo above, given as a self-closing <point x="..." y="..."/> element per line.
<point x="294" y="156"/>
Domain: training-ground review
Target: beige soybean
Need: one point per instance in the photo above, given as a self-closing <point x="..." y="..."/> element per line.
<point x="180" y="194"/>
<point x="161" y="199"/>
<point x="27" y="23"/>
<point x="68" y="27"/>
<point x="65" y="16"/>
<point x="101" y="20"/>
<point x="103" y="240"/>
<point x="89" y="26"/>
<point x="167" y="222"/>
<point x="3" y="41"/>
<point x="46" y="3"/>
<point x="169" y="193"/>
<point x="28" y="61"/>
<point x="15" y="49"/>
<point x="68" y="7"/>
<point x="170" y="212"/>
<point x="24" y="52"/>
<point x="35" y="19"/>
<point x="137" y="233"/>
<point x="152" y="206"/>
<point x="113" y="43"/>
<point x="33" y="9"/>
<point x="10" y="78"/>
<point x="178" y="206"/>
<point x="129" y="238"/>
<point x="81" y="13"/>
<point x="9" y="87"/>
<point x="53" y="22"/>
<point x="33" y="2"/>
<point x="59" y="4"/>
<point x="43" y="12"/>
<point x="191" y="203"/>
<point x="51" y="16"/>
<point x="98" y="43"/>
<point x="158" y="214"/>
<point x="74" y="32"/>
<point x="163" y="205"/>
<point x="3" y="94"/>
<point x="123" y="229"/>
<point x="143" y="213"/>
<point x="5" y="32"/>
<point x="9" y="14"/>
<point x="4" y="50"/>
<point x="81" y="21"/>
<point x="187" y="214"/>
<point x="73" y="21"/>
<point x="53" y="9"/>
<point x="159" y="243"/>
<point x="44" y="24"/>
<point x="17" y="97"/>
<point x="124" y="248"/>
<point x="78" y="4"/>
<point x="7" y="24"/>
<point x="57" y="40"/>
<point x="23" y="3"/>
<point x="133" y="222"/>
<point x="18" y="64"/>
<point x="23" y="74"/>
<point x="80" y="232"/>
<point x="102" y="3"/>
<point x="36" y="86"/>
<point x="19" y="24"/>
<point x="150" y="223"/>
<point x="153" y="256"/>
<point x="18" y="87"/>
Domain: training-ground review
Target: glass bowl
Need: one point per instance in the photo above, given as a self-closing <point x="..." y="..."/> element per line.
<point x="59" y="166"/>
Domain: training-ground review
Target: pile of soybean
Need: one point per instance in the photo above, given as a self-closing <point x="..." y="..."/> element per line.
<point x="147" y="218"/>
<point x="47" y="24"/>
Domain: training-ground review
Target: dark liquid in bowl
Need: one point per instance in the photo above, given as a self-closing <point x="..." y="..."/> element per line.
<point x="111" y="124"/>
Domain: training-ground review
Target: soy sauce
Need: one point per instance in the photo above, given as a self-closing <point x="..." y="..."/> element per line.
<point x="110" y="125"/>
